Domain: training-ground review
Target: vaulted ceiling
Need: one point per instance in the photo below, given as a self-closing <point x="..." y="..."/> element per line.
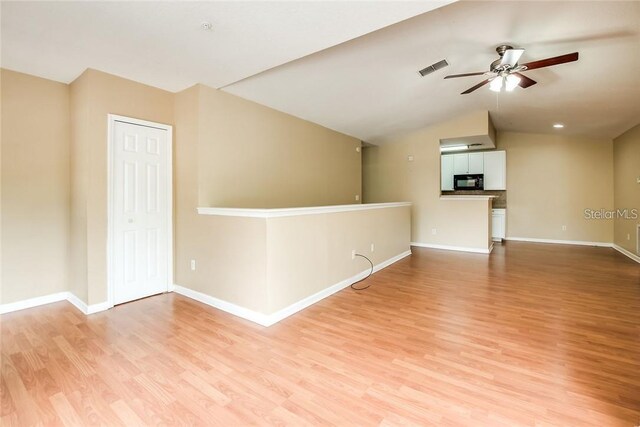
<point x="163" y="44"/>
<point x="351" y="66"/>
<point x="370" y="88"/>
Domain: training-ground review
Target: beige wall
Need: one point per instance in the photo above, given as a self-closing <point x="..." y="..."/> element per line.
<point x="388" y="176"/>
<point x="268" y="264"/>
<point x="1" y="287"/>
<point x="95" y="95"/>
<point x="551" y="180"/>
<point x="307" y="254"/>
<point x="231" y="152"/>
<point x="35" y="186"/>
<point x="228" y="151"/>
<point x="256" y="157"/>
<point x="626" y="167"/>
<point x="79" y="183"/>
<point x="229" y="252"/>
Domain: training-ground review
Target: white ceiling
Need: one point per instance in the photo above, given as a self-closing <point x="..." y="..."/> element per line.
<point x="369" y="87"/>
<point x="325" y="62"/>
<point x="162" y="44"/>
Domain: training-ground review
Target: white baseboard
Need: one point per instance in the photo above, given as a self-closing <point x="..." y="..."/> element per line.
<point x="97" y="308"/>
<point x="33" y="302"/>
<point x="312" y="299"/>
<point x="560" y="242"/>
<point x="236" y="310"/>
<point x="77" y="302"/>
<point x="453" y="248"/>
<point x="620" y="249"/>
<point x="270" y="319"/>
<point x="623" y="251"/>
<point x="48" y="299"/>
<point x="87" y="309"/>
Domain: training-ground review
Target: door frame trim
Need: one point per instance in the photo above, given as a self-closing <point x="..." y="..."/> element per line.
<point x="111" y="121"/>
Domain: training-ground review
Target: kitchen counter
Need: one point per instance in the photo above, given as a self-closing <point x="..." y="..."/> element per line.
<point x="466" y="197"/>
<point x="499" y="200"/>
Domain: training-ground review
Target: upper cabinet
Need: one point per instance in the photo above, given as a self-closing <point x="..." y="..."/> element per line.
<point x="495" y="170"/>
<point x="493" y="164"/>
<point x="460" y="163"/>
<point x="446" y="173"/>
<point x="476" y="163"/>
<point x="464" y="163"/>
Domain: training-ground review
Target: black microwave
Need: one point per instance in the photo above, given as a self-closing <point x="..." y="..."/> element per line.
<point x="468" y="182"/>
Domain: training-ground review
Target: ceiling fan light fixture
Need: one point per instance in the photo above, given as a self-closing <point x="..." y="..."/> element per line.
<point x="496" y="84"/>
<point x="511" y="82"/>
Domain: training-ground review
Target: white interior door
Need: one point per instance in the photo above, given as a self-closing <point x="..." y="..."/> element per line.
<point x="140" y="212"/>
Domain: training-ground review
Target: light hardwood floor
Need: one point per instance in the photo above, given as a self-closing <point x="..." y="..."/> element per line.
<point x="532" y="335"/>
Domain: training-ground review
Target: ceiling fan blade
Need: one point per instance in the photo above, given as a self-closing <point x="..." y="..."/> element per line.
<point x="556" y="60"/>
<point x="525" y="81"/>
<point x="511" y="57"/>
<point x="479" y="85"/>
<point x="464" y="75"/>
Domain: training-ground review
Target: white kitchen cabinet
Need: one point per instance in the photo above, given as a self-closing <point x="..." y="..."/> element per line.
<point x="498" y="224"/>
<point x="464" y="163"/>
<point x="460" y="163"/>
<point x="495" y="170"/>
<point x="446" y="173"/>
<point x="493" y="164"/>
<point x="476" y="163"/>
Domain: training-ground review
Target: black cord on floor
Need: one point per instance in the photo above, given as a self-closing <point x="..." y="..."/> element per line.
<point x="370" y="273"/>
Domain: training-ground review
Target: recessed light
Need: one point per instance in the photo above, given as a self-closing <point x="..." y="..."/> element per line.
<point x="558" y="125"/>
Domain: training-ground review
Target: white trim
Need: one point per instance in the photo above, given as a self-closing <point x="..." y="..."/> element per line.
<point x="111" y="120"/>
<point x="453" y="248"/>
<point x="270" y="319"/>
<point x="236" y="310"/>
<point x="318" y="296"/>
<point x="280" y="212"/>
<point x="623" y="251"/>
<point x="48" y="299"/>
<point x="560" y="242"/>
<point x="78" y="303"/>
<point x="32" y="302"/>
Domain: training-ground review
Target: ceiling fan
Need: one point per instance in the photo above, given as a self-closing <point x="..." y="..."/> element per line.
<point x="506" y="72"/>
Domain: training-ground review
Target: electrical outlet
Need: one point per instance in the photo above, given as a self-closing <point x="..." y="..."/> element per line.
<point x="357" y="197"/>
<point x="353" y="254"/>
<point x="410" y="158"/>
<point x="434" y="231"/>
<point x="373" y="248"/>
<point x="564" y="228"/>
<point x="193" y="265"/>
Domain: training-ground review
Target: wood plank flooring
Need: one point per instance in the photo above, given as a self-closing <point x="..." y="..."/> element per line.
<point x="532" y="335"/>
